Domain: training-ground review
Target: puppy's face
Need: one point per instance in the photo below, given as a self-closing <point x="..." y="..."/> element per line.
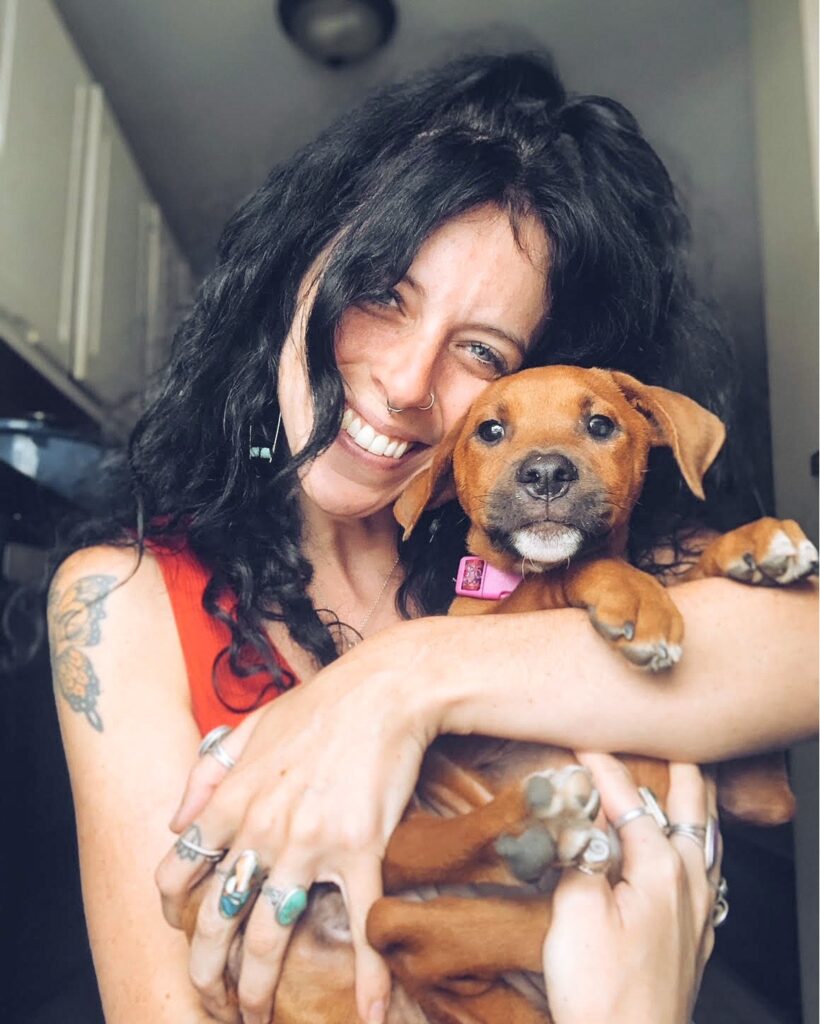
<point x="548" y="465"/>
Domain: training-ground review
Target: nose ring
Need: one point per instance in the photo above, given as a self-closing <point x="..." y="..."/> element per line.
<point x="421" y="408"/>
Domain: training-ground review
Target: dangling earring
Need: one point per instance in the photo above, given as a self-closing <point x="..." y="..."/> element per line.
<point x="257" y="452"/>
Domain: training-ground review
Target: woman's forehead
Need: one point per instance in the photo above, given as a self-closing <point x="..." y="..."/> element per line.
<point x="480" y="265"/>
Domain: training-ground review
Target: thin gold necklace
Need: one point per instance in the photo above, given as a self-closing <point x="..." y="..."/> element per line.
<point x="346" y="642"/>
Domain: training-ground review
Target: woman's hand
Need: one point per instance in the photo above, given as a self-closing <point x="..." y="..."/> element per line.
<point x="635" y="951"/>
<point x="323" y="776"/>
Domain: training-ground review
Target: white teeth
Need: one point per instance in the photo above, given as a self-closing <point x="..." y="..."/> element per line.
<point x="378" y="446"/>
<point x="366" y="437"/>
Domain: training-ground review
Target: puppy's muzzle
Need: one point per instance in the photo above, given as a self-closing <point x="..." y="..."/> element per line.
<point x="546" y="476"/>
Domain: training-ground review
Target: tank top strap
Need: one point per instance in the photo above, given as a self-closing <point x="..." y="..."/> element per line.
<point x="203" y="638"/>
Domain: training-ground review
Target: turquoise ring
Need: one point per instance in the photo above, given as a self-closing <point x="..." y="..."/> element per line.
<point x="240" y="884"/>
<point x="288" y="904"/>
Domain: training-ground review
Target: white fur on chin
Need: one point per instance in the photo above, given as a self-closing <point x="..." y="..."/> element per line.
<point x="557" y="545"/>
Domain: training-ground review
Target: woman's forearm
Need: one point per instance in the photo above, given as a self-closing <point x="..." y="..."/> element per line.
<point x="747" y="680"/>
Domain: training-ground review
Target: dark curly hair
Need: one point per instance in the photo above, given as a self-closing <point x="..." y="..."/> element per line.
<point x="496" y="129"/>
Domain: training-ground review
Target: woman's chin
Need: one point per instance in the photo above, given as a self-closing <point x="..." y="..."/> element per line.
<point x="343" y="498"/>
<point x="344" y="486"/>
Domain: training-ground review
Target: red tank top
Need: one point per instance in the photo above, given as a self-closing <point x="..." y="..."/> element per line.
<point x="202" y="638"/>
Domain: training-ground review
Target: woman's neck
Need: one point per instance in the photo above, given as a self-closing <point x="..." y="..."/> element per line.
<point x="346" y="547"/>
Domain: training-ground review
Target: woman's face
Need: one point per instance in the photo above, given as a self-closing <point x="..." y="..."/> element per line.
<point x="470" y="305"/>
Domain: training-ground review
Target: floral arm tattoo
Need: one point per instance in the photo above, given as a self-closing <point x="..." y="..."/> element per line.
<point x="74" y="618"/>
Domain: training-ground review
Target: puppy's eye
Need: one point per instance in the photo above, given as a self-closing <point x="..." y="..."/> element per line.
<point x="600" y="426"/>
<point x="490" y="431"/>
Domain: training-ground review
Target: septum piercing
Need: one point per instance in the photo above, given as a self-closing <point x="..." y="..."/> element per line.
<point x="422" y="408"/>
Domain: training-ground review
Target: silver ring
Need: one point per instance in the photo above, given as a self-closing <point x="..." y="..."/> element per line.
<point x="189" y="847"/>
<point x="711" y="843"/>
<point x="720" y="909"/>
<point x="422" y="408"/>
<point x="650" y="806"/>
<point x="211" y="744"/>
<point x="202" y="851"/>
<point x="240" y="884"/>
<point x="631" y="815"/>
<point x="288" y="904"/>
<point x="697" y="833"/>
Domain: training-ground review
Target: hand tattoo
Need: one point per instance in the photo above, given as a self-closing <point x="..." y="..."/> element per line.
<point x="74" y="622"/>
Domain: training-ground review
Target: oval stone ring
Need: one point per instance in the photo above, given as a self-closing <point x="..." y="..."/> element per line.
<point x="288" y="904"/>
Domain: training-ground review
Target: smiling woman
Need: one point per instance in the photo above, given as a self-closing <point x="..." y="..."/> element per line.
<point x="466" y="311"/>
<point x="465" y="224"/>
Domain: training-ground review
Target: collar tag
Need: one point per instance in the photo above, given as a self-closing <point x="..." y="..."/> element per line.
<point x="477" y="578"/>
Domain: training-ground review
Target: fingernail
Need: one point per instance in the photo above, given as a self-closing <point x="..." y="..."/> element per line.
<point x="377" y="1011"/>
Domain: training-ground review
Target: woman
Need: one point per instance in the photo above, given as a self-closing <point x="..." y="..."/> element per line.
<point x="453" y="229"/>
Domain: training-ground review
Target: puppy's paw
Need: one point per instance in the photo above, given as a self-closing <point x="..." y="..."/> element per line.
<point x="767" y="552"/>
<point x="643" y="623"/>
<point x="566" y="794"/>
<point x="529" y="854"/>
<point x="563" y="804"/>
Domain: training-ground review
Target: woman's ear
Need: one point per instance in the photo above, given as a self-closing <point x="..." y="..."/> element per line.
<point x="432" y="486"/>
<point x="694" y="434"/>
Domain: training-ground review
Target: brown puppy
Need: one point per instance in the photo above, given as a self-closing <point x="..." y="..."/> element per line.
<point x="548" y="464"/>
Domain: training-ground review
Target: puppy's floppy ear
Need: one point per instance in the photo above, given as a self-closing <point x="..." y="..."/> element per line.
<point x="694" y="434"/>
<point x="432" y="486"/>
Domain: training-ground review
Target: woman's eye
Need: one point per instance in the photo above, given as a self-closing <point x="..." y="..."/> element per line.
<point x="490" y="431"/>
<point x="600" y="426"/>
<point x="389" y="298"/>
<point x="488" y="356"/>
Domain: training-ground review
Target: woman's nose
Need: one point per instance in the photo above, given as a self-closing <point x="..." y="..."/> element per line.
<point x="407" y="374"/>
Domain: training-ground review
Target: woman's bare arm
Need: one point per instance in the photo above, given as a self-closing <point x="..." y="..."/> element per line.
<point x="747" y="680"/>
<point x="353" y="739"/>
<point x="130" y="739"/>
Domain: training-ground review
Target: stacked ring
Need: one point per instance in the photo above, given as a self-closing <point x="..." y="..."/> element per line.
<point x="189" y="846"/>
<point x="650" y="806"/>
<point x="720" y="910"/>
<point x="212" y="744"/>
<point x="288" y="904"/>
<point x="240" y="883"/>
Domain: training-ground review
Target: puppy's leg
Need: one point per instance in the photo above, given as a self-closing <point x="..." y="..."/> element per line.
<point x="769" y="552"/>
<point x="446" y="939"/>
<point x="497" y="1003"/>
<point x="629" y="608"/>
<point x="540" y="821"/>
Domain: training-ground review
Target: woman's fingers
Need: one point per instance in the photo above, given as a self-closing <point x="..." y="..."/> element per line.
<point x="361" y="887"/>
<point x="282" y="900"/>
<point x="190" y="858"/>
<point x="228" y="897"/>
<point x="207" y="773"/>
<point x="642" y="840"/>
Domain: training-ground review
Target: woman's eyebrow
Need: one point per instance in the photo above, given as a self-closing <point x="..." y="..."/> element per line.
<point x="514" y="339"/>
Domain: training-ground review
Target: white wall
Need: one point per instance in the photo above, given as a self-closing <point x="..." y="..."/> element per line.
<point x="784" y="63"/>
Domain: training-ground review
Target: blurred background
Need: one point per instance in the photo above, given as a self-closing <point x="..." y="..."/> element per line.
<point x="130" y="129"/>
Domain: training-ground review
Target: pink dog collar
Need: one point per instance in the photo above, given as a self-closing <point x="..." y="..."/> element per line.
<point x="477" y="578"/>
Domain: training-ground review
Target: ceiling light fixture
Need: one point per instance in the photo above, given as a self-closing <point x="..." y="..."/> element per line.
<point x="338" y="33"/>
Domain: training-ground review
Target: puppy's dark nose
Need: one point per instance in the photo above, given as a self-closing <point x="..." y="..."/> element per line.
<point x="547" y="477"/>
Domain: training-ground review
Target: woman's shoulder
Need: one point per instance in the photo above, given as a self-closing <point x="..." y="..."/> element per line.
<point x="111" y="621"/>
<point x="91" y="574"/>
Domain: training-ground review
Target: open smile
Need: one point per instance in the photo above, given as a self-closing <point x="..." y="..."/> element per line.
<point x="366" y="437"/>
